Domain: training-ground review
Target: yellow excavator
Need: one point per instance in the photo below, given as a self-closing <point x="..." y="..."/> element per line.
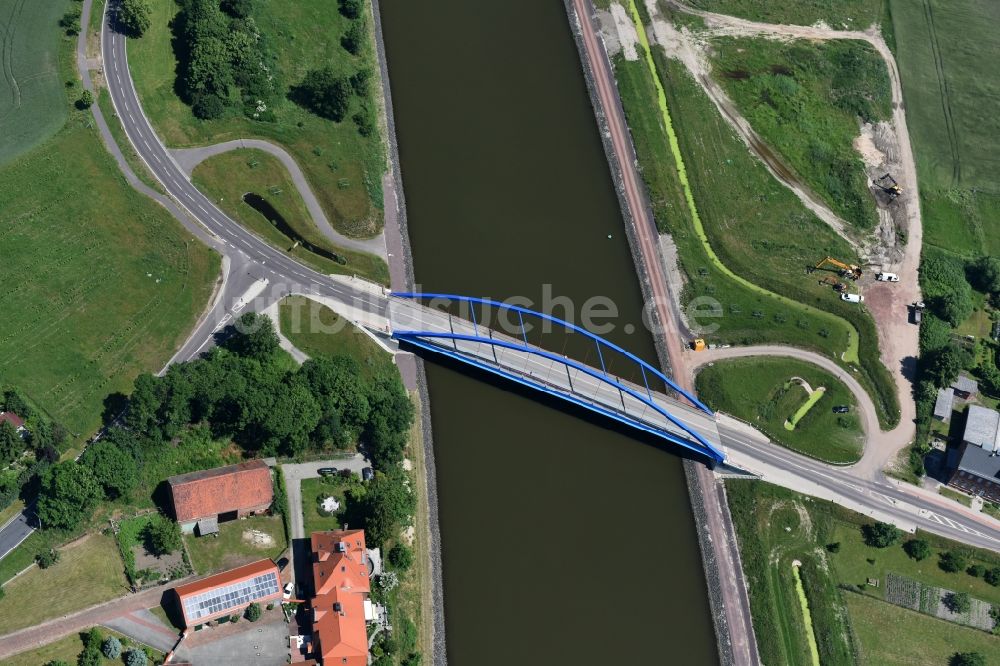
<point x="889" y="186"/>
<point x="847" y="270"/>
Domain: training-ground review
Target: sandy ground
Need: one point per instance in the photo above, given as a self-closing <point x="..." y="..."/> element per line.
<point x="890" y="145"/>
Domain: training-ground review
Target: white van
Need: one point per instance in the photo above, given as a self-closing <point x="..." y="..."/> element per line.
<point x="887" y="277"/>
<point x="852" y="298"/>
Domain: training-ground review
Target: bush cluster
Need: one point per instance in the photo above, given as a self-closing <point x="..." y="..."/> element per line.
<point x="224" y="58"/>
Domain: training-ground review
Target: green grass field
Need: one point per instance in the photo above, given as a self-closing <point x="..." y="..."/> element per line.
<point x="32" y="106"/>
<point x="91" y="569"/>
<point x="319" y="331"/>
<point x="99" y="282"/>
<point x="942" y="51"/>
<point x="775" y="527"/>
<point x="841" y="14"/>
<point x="754" y="227"/>
<point x="761" y="391"/>
<point x="230" y="549"/>
<point x="227" y="177"/>
<point x="804" y="99"/>
<point x="896" y="636"/>
<point x="344" y="168"/>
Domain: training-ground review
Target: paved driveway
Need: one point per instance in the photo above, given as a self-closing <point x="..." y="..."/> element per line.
<point x="293" y="485"/>
<point x="263" y="643"/>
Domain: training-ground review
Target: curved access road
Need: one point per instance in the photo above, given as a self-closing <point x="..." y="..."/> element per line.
<point x="189" y="158"/>
<point x="888" y="302"/>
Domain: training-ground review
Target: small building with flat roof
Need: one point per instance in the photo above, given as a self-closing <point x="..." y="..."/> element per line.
<point x="982" y="428"/>
<point x="206" y="497"/>
<point x="977" y="472"/>
<point x="944" y="404"/>
<point x="229" y="592"/>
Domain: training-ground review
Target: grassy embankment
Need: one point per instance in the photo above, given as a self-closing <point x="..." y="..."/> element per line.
<point x="804" y="99"/>
<point x="344" y="168"/>
<point x="841" y="15"/>
<point x="68" y="648"/>
<point x="942" y="48"/>
<point x="100" y="283"/>
<point x="761" y="391"/>
<point x="746" y="229"/>
<point x="227" y="177"/>
<point x="33" y="107"/>
<point x="849" y="616"/>
<point x="90" y="568"/>
<point x="319" y="331"/>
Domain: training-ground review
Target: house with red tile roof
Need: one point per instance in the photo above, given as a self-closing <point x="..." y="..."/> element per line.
<point x="13" y="419"/>
<point x="202" y="499"/>
<point x="340" y="605"/>
<point x="229" y="592"/>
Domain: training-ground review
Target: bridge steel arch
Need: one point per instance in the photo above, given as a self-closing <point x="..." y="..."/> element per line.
<point x="695" y="442"/>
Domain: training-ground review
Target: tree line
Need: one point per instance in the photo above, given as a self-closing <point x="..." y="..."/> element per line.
<point x="241" y="390"/>
<point x="43" y="438"/>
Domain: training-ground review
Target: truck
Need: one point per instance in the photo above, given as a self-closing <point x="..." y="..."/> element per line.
<point x="852" y="298"/>
<point x="887" y="277"/>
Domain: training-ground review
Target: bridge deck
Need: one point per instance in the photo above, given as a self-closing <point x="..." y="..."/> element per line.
<point x="549" y="373"/>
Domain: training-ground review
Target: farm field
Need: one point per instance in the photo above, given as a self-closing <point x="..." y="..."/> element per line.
<point x="762" y="392"/>
<point x="100" y="283"/>
<point x="841" y="14"/>
<point x="344" y="168"/>
<point x="805" y="99"/>
<point x="950" y="93"/>
<point x="319" y="331"/>
<point x="227" y="177"/>
<point x="91" y="568"/>
<point x="915" y="639"/>
<point x="32" y="101"/>
<point x="759" y="233"/>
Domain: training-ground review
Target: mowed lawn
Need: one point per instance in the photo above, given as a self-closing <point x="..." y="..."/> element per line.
<point x="319" y="331"/>
<point x="32" y="104"/>
<point x="312" y="490"/>
<point x="951" y="94"/>
<point x="88" y="572"/>
<point x="234" y="547"/>
<point x="344" y="168"/>
<point x="891" y="635"/>
<point x="762" y="392"/>
<point x="99" y="282"/>
<point x="227" y="177"/>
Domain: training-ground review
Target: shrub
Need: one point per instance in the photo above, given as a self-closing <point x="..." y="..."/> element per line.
<point x="958" y="602"/>
<point x="134" y="16"/>
<point x="967" y="659"/>
<point x="880" y="535"/>
<point x="208" y="106"/>
<point x="976" y="570"/>
<point x="401" y="556"/>
<point x="47" y="558"/>
<point x="136" y="657"/>
<point x="254" y="612"/>
<point x="111" y="648"/>
<point x="86" y="100"/>
<point x="162" y="536"/>
<point x="325" y="94"/>
<point x="952" y="561"/>
<point x="350" y="8"/>
<point x="833" y="547"/>
<point x="992" y="576"/>
<point x="917" y="549"/>
<point x="354" y="38"/>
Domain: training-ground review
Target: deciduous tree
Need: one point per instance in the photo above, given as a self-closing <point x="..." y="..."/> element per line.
<point x="918" y="549"/>
<point x="115" y="470"/>
<point x="67" y="495"/>
<point x="880" y="535"/>
<point x="135" y="17"/>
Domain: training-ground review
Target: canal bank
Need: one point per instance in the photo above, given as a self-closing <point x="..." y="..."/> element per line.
<point x="509" y="191"/>
<point x="701" y="484"/>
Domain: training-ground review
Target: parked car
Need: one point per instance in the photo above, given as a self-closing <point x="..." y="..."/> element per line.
<point x="367" y="474"/>
<point x="887" y="277"/>
<point x="282" y="563"/>
<point x="289" y="588"/>
<point x="852" y="298"/>
<point x="841" y="409"/>
<point x="327" y="471"/>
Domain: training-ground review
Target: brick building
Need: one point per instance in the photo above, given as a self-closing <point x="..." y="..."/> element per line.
<point x="202" y="499"/>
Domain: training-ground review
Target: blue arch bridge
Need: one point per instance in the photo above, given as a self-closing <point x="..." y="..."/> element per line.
<point x="683" y="420"/>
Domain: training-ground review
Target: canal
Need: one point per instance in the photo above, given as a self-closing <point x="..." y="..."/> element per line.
<point x="564" y="541"/>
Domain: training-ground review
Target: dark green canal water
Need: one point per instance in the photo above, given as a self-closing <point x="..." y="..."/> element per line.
<point x="564" y="541"/>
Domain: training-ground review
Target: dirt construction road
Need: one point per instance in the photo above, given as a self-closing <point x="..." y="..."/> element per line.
<point x="887" y="302"/>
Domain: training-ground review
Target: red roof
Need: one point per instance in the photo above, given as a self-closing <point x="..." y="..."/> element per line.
<point x="245" y="572"/>
<point x="13" y="419"/>
<point x="221" y="490"/>
<point x="340" y="577"/>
